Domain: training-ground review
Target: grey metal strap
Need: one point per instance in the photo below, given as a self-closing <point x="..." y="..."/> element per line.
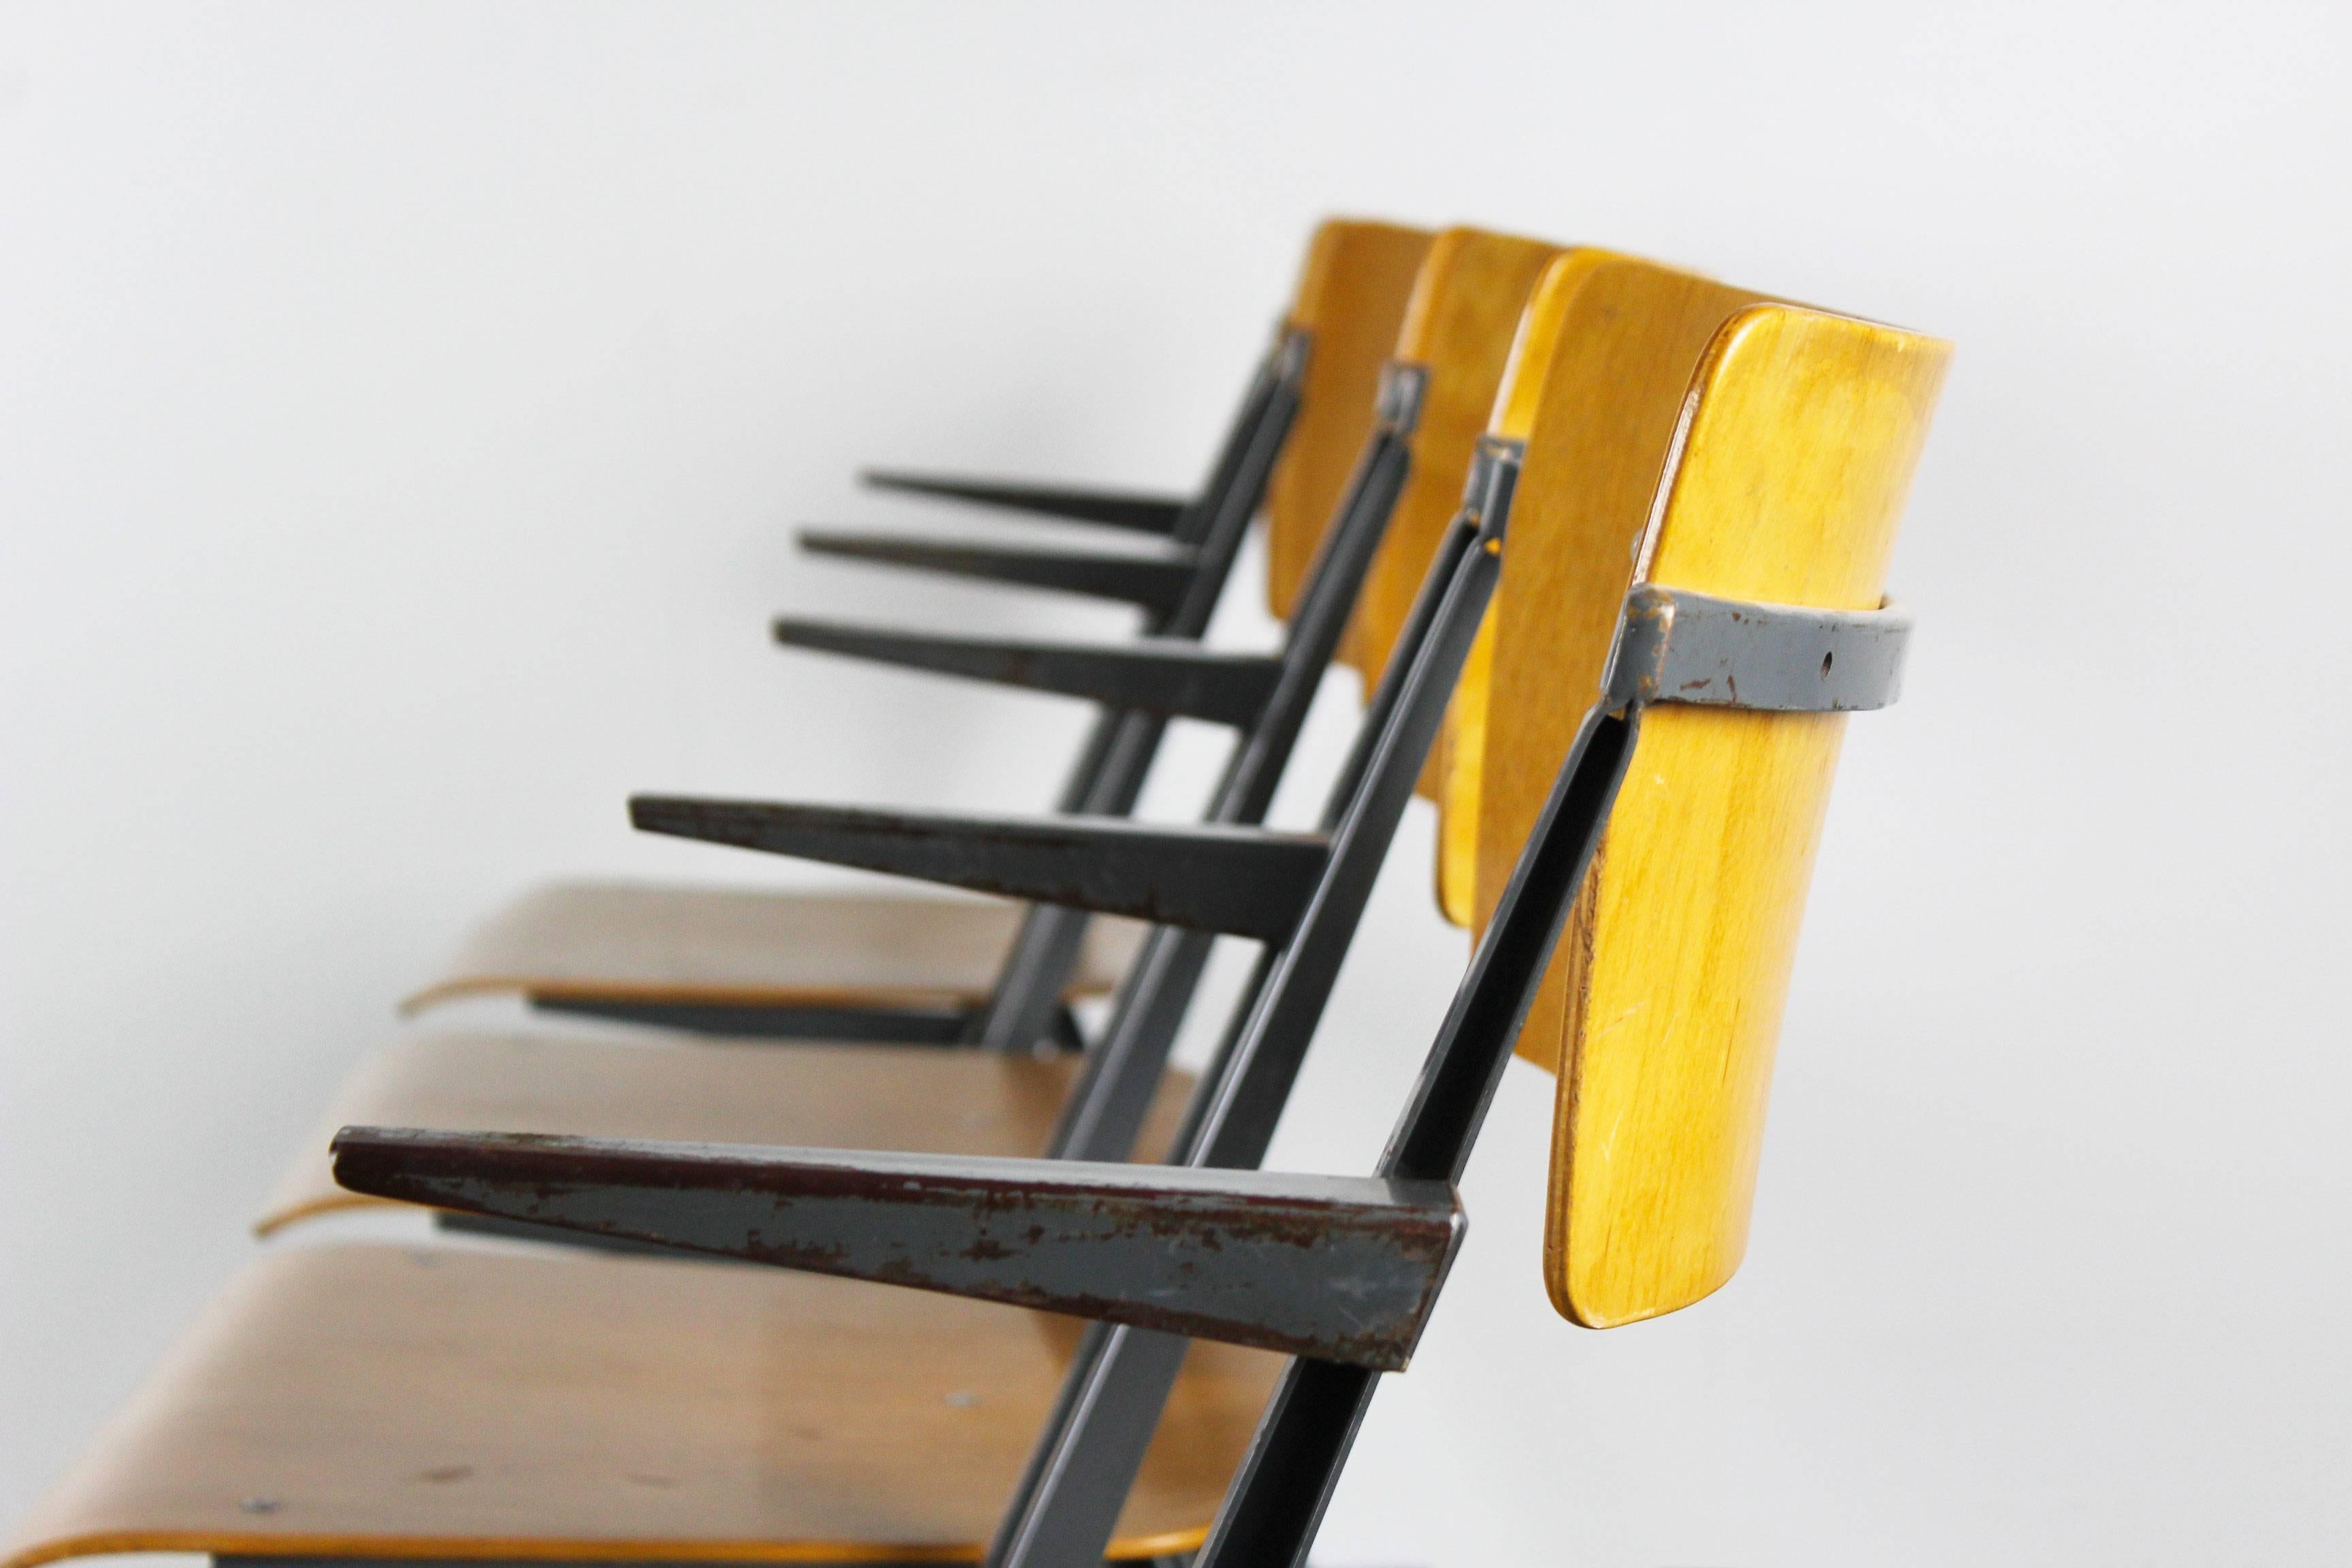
<point x="1681" y="647"/>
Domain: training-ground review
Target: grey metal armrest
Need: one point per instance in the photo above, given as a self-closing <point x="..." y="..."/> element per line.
<point x="1133" y="510"/>
<point x="1159" y="584"/>
<point x="1242" y="881"/>
<point x="1175" y="676"/>
<point x="1337" y="1268"/>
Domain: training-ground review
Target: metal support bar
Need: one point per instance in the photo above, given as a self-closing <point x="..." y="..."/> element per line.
<point x="1337" y="1268"/>
<point x="1156" y="514"/>
<point x="1158" y="583"/>
<point x="1681" y="647"/>
<point x="1243" y="882"/>
<point x="1159" y="675"/>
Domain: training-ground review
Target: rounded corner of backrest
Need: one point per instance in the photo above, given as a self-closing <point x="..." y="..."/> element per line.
<point x="1465" y="312"/>
<point x="1353" y="290"/>
<point x="1798" y="413"/>
<point x="1323" y="245"/>
<point x="1439" y="266"/>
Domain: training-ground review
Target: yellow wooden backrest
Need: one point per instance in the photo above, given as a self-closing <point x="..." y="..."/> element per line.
<point x="1351" y="299"/>
<point x="1465" y="309"/>
<point x="1794" y="457"/>
<point x="1598" y="380"/>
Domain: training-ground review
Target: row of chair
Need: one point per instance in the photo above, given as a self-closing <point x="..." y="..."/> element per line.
<point x="1606" y="540"/>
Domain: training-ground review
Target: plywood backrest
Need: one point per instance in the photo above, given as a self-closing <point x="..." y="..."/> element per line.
<point x="1597" y="383"/>
<point x="1351" y="299"/>
<point x="1793" y="458"/>
<point x="1465" y="312"/>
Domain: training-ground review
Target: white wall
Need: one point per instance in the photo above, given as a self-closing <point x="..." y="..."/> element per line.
<point x="405" y="407"/>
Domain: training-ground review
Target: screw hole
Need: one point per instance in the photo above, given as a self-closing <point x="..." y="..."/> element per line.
<point x="1827" y="659"/>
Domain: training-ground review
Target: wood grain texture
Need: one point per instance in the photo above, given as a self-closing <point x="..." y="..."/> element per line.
<point x="641" y="942"/>
<point x="385" y="1401"/>
<point x="1351" y="296"/>
<point x="1597" y="387"/>
<point x="1799" y="444"/>
<point x="941" y="1100"/>
<point x="1465" y="310"/>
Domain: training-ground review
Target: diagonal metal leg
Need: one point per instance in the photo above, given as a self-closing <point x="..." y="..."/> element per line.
<point x="1277" y="1501"/>
<point x="1067" y="1506"/>
<point x="1109" y="1394"/>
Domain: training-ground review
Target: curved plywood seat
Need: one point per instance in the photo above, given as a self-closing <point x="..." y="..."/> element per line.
<point x="653" y="942"/>
<point x="941" y="1100"/>
<point x="372" y="1401"/>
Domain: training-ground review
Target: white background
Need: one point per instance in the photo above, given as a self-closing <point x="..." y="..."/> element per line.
<point x="406" y="409"/>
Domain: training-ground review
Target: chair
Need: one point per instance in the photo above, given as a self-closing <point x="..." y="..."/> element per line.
<point x="369" y="1402"/>
<point x="992" y="1101"/>
<point x="837" y="965"/>
<point x="1672" y="854"/>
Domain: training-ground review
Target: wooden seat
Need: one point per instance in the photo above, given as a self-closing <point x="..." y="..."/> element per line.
<point x="381" y="1401"/>
<point x="645" y="945"/>
<point x="945" y="1100"/>
<point x="651" y="942"/>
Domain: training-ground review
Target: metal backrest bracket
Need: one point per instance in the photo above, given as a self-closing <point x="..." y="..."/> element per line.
<point x="1677" y="646"/>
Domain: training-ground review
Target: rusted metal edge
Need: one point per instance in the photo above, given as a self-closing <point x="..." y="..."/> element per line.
<point x="1336" y="1268"/>
<point x="1242" y="881"/>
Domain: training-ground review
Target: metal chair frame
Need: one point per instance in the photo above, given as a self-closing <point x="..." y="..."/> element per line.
<point x="1214" y="1249"/>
